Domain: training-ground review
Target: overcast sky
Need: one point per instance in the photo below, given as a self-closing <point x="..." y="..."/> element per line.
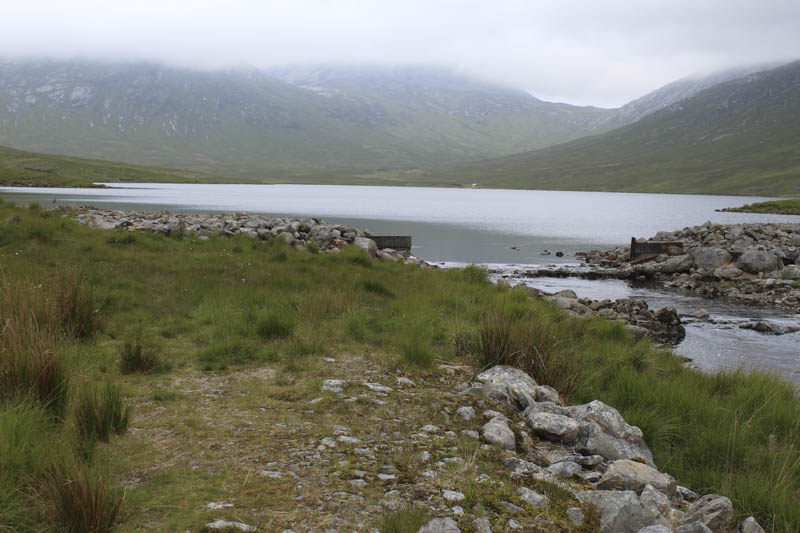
<point x="596" y="52"/>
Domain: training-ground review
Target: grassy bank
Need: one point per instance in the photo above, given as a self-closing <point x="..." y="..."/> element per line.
<point x="221" y="346"/>
<point x="776" y="207"/>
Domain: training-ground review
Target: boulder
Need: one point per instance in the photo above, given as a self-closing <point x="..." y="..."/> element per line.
<point x="728" y="273"/>
<point x="366" y="244"/>
<point x="604" y="432"/>
<point x="625" y="474"/>
<point x="713" y="510"/>
<point x="497" y="432"/>
<point x="440" y="525"/>
<point x="620" y="511"/>
<point x="510" y="386"/>
<point x="710" y="258"/>
<point x="677" y="264"/>
<point x="694" y="527"/>
<point x="553" y="427"/>
<point x="532" y="497"/>
<point x="755" y="259"/>
<point x="749" y="525"/>
<point x="658" y="528"/>
<point x="650" y="497"/>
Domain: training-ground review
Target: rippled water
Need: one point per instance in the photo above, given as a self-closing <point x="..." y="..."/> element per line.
<point x="496" y="226"/>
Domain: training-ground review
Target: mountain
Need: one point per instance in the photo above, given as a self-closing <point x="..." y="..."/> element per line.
<point x="291" y="123"/>
<point x="672" y="93"/>
<point x="737" y="137"/>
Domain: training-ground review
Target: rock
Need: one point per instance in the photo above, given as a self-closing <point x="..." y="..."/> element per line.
<point x="677" y="264"/>
<point x="440" y="525"/>
<point x="575" y="515"/>
<point x="333" y="385"/>
<point x="366" y="244"/>
<point x="377" y="387"/>
<point x="224" y="524"/>
<point x="620" y="511"/>
<point x="497" y="432"/>
<point x="766" y="328"/>
<point x="658" y="528"/>
<point x="710" y="258"/>
<point x="482" y="525"/>
<point x="728" y="273"/>
<point x="694" y="527"/>
<point x="453" y="496"/>
<point x="624" y="474"/>
<point x="510" y="386"/>
<point x="513" y="524"/>
<point x="565" y="469"/>
<point x="701" y="314"/>
<point x="545" y="393"/>
<point x="712" y="510"/>
<point x="755" y="259"/>
<point x="685" y="494"/>
<point x="429" y="428"/>
<point x="405" y="382"/>
<point x="604" y="432"/>
<point x="466" y="412"/>
<point x="667" y="315"/>
<point x="532" y="497"/>
<point x="749" y="525"/>
<point x="553" y="427"/>
<point x="650" y="497"/>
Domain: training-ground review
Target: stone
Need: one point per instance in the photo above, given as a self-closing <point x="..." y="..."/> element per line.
<point x="694" y="527"/>
<point x="650" y="497"/>
<point x="510" y="386"/>
<point x="575" y="515"/>
<point x="513" y="524"/>
<point x="755" y="259"/>
<point x="710" y="258"/>
<point x="482" y="525"/>
<point x="333" y="385"/>
<point x="620" y="511"/>
<point x="429" y="428"/>
<point x="750" y="525"/>
<point x="624" y="474"/>
<point x="226" y="525"/>
<point x="377" y="387"/>
<point x="453" y="496"/>
<point x="405" y="382"/>
<point x="728" y="273"/>
<point x="604" y="432"/>
<point x="366" y="244"/>
<point x="531" y="497"/>
<point x="713" y="510"/>
<point x="701" y="314"/>
<point x="440" y="525"/>
<point x="658" y="528"/>
<point x="553" y="427"/>
<point x="545" y="393"/>
<point x="677" y="264"/>
<point x="497" y="432"/>
<point x="466" y="412"/>
<point x="565" y="469"/>
<point x="685" y="494"/>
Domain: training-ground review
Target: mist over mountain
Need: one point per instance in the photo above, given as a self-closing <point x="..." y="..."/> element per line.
<point x="246" y="122"/>
<point x="736" y="137"/>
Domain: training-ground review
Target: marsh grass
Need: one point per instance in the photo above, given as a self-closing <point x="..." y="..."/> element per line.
<point x="140" y="355"/>
<point x="734" y="433"/>
<point x="408" y="519"/>
<point x="100" y="412"/>
<point x="81" y="499"/>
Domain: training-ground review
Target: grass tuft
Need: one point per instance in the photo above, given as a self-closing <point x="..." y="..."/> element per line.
<point x="140" y="355"/>
<point x="82" y="501"/>
<point x="405" y="520"/>
<point x="100" y="412"/>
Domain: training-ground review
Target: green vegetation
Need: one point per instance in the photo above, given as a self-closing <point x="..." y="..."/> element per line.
<point x="738" y="137"/>
<point x="26" y="169"/>
<point x="243" y="325"/>
<point x="778" y="207"/>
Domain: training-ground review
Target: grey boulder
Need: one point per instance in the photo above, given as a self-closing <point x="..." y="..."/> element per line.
<point x="509" y="386"/>
<point x="553" y="427"/>
<point x="620" y="511"/>
<point x="713" y="510"/>
<point x="497" y="432"/>
<point x="710" y="258"/>
<point x="440" y="525"/>
<point x="624" y="474"/>
<point x="755" y="259"/>
<point x="604" y="432"/>
<point x="677" y="264"/>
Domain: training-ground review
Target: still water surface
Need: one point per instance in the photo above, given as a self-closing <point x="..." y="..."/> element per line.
<point x="457" y="226"/>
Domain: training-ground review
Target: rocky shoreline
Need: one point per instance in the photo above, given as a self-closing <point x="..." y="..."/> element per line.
<point x="752" y="264"/>
<point x="297" y="232"/>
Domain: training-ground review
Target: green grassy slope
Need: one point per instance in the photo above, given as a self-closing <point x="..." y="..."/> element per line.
<point x="740" y="137"/>
<point x="244" y="326"/>
<point x="27" y="169"/>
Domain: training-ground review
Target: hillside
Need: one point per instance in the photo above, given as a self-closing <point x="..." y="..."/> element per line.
<point x="27" y="169"/>
<point x="246" y="123"/>
<point x="738" y="137"/>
